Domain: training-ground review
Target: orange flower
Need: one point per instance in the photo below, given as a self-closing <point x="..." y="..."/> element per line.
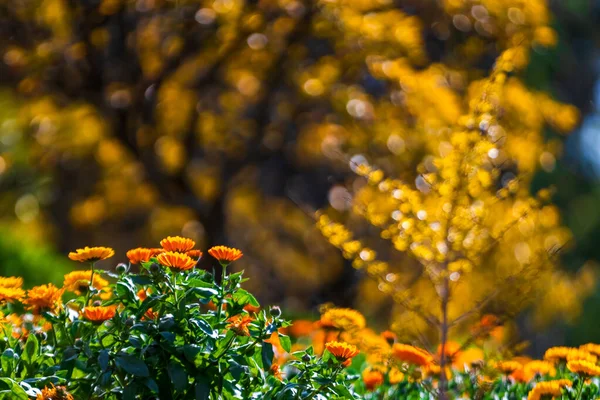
<point x="276" y="371"/>
<point x="345" y="319"/>
<point x="584" y="367"/>
<point x="139" y="255"/>
<point x="11" y="282"/>
<point x="395" y="376"/>
<point x="301" y="327"/>
<point x="372" y="378"/>
<point x="142" y="294"/>
<point x="11" y="294"/>
<point x="43" y="297"/>
<point x="451" y="350"/>
<point x="91" y="254"/>
<point x="389" y="336"/>
<point x="589" y="347"/>
<point x="225" y="254"/>
<point x="412" y="355"/>
<point x="195" y="254"/>
<point x="100" y="313"/>
<point x="342" y="351"/>
<point x="156" y="251"/>
<point x="239" y="324"/>
<point x="508" y="367"/>
<point x="175" y="260"/>
<point x="78" y="282"/>
<point x="54" y="393"/>
<point x="251" y="309"/>
<point x="177" y="244"/>
<point x="468" y="358"/>
<point x="548" y="388"/>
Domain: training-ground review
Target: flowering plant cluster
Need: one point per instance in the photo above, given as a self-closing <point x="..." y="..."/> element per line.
<point x="169" y="331"/>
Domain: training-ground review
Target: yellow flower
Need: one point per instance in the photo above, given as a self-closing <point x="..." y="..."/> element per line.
<point x="175" y="260"/>
<point x="584" y="367"/>
<point x="43" y="297"/>
<point x="343" y="318"/>
<point x="91" y="254"/>
<point x="556" y="354"/>
<point x="342" y="351"/>
<point x="372" y="378"/>
<point x="591" y="348"/>
<point x="99" y="314"/>
<point x="177" y="244"/>
<point x="508" y="367"/>
<point x="225" y="254"/>
<point x="548" y="388"/>
<point x="139" y="255"/>
<point x="11" y="294"/>
<point x="11" y="281"/>
<point x="412" y="355"/>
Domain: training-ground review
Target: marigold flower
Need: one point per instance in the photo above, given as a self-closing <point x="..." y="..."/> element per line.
<point x="91" y="254"/>
<point x="43" y="297"/>
<point x="78" y="282"/>
<point x="276" y="371"/>
<point x="100" y="313"/>
<point x="139" y="255"/>
<point x="548" y="388"/>
<point x="372" y="378"/>
<point x="11" y="294"/>
<point x="556" y="354"/>
<point x="177" y="244"/>
<point x="584" y="367"/>
<point x="156" y="251"/>
<point x="175" y="260"/>
<point x="342" y="351"/>
<point x="345" y="319"/>
<point x="395" y="376"/>
<point x="54" y="393"/>
<point x="411" y="354"/>
<point x="239" y="324"/>
<point x="195" y="254"/>
<point x="11" y="282"/>
<point x="225" y="254"/>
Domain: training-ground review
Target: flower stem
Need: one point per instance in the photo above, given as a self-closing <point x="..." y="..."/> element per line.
<point x="91" y="287"/>
<point x="222" y="291"/>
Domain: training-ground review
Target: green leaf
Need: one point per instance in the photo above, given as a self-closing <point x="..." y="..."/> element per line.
<point x="31" y="350"/>
<point x="204" y="326"/>
<point x="178" y="376"/>
<point x="190" y="351"/>
<point x="132" y="365"/>
<point x="202" y="389"/>
<point x="286" y="342"/>
<point x="103" y="360"/>
<point x="244" y="297"/>
<point x="267" y="354"/>
<point x="11" y="390"/>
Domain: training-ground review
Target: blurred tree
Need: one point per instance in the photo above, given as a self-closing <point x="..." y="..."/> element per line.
<point x="126" y="120"/>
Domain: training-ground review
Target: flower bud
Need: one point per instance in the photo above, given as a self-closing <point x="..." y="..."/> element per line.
<point x="121" y="268"/>
<point x="154" y="268"/>
<point x="275" y="311"/>
<point x="97" y="303"/>
<point x="306" y="357"/>
<point x="78" y="343"/>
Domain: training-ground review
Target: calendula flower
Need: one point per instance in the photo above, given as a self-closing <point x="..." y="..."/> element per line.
<point x="99" y="314"/>
<point x="469" y="358"/>
<point x="342" y="351"/>
<point x="239" y="324"/>
<point x="301" y="327"/>
<point x="179" y="261"/>
<point x="345" y="319"/>
<point x="557" y="354"/>
<point x="389" y="336"/>
<point x="372" y="378"/>
<point x="54" y="393"/>
<point x="11" y="282"/>
<point x="411" y="354"/>
<point x="78" y="282"/>
<point x="43" y="297"/>
<point x="139" y="255"/>
<point x="177" y="244"/>
<point x="195" y="254"/>
<point x="11" y="295"/>
<point x="225" y="254"/>
<point x="451" y="350"/>
<point x="584" y="367"/>
<point x="276" y="371"/>
<point x="589" y="347"/>
<point x="91" y="254"/>
<point x="156" y="251"/>
<point x="395" y="376"/>
<point x="508" y="367"/>
<point x="548" y="388"/>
